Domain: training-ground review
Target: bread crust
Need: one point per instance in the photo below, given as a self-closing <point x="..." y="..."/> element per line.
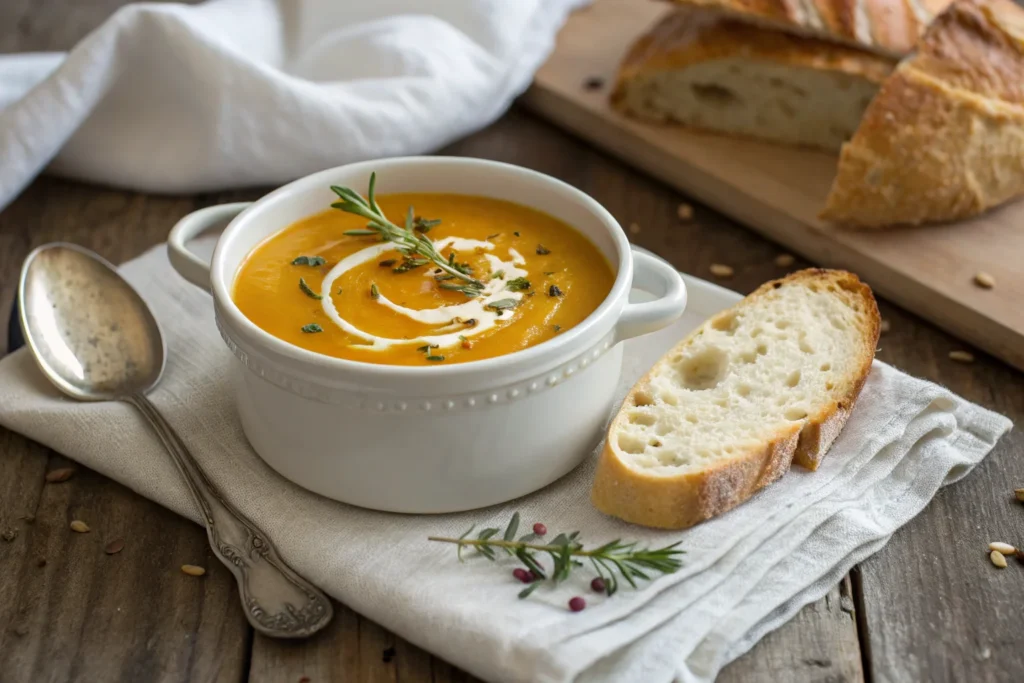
<point x="944" y="138"/>
<point x="887" y="27"/>
<point x="684" y="500"/>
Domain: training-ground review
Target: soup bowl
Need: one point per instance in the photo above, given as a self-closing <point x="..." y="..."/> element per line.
<point x="439" y="438"/>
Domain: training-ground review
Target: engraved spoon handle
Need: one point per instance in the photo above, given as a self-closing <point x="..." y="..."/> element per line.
<point x="277" y="601"/>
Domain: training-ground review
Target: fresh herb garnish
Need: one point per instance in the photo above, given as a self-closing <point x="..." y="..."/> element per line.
<point x="311" y="328"/>
<point x="553" y="290"/>
<point x="442" y="278"/>
<point x="308" y="261"/>
<point x="469" y="290"/>
<point x="558" y="328"/>
<point x="407" y="240"/>
<point x="410" y="263"/>
<point x="309" y="292"/>
<point x="502" y="305"/>
<point x="426" y="348"/>
<point x="567" y="552"/>
<point x="542" y="250"/>
<point x="517" y="284"/>
<point x="516" y="233"/>
<point x="498" y="275"/>
<point x="374" y="292"/>
<point x="549" y="272"/>
<point x="435" y="358"/>
<point x="421" y="224"/>
<point x="387" y="263"/>
<point x="491" y="237"/>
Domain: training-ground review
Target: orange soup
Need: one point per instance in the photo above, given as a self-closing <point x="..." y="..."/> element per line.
<point x="510" y="277"/>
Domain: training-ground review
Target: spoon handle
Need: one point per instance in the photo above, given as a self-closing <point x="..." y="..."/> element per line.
<point x="278" y="602"/>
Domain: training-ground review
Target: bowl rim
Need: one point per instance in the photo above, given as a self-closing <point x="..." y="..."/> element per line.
<point x="238" y="323"/>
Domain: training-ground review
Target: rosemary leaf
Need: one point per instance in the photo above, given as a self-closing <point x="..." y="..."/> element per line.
<point x="525" y="593"/>
<point x="359" y="233"/>
<point x="512" y="528"/>
<point x="435" y="358"/>
<point x="312" y="328"/>
<point x="306" y="289"/>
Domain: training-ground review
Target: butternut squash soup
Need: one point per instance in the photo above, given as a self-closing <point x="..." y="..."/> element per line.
<point x="422" y="279"/>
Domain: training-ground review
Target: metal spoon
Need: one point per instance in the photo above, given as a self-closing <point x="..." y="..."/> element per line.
<point x="94" y="337"/>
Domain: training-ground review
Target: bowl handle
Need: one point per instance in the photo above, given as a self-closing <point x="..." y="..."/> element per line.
<point x="194" y="269"/>
<point x="657" y="276"/>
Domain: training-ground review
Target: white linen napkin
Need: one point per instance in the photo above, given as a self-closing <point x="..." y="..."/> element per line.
<point x="745" y="573"/>
<point x="231" y="93"/>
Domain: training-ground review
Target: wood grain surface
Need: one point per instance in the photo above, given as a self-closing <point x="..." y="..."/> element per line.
<point x="779" y="191"/>
<point x="928" y="607"/>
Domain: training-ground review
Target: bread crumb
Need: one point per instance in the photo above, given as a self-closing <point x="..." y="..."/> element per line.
<point x="984" y="280"/>
<point x="685" y="212"/>
<point x="784" y="260"/>
<point x="884" y="326"/>
<point x="720" y="270"/>
<point x="961" y="356"/>
<point x="634" y="228"/>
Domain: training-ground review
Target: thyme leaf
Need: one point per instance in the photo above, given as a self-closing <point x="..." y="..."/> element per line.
<point x="517" y="284"/>
<point x="308" y="261"/>
<point x="312" y="328"/>
<point x="306" y="289"/>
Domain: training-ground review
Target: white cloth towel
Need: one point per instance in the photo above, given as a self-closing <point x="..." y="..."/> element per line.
<point x="232" y="93"/>
<point x="744" y="574"/>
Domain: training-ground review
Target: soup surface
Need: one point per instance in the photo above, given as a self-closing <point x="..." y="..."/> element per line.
<point x="363" y="300"/>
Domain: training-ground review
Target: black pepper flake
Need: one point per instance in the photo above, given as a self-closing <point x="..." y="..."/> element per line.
<point x="387" y="263"/>
<point x="553" y="290"/>
<point x="516" y="233"/>
<point x="593" y="83"/>
<point x="542" y="250"/>
<point x="387" y="655"/>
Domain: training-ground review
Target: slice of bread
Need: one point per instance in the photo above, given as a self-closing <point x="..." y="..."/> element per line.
<point x="702" y="70"/>
<point x="725" y="412"/>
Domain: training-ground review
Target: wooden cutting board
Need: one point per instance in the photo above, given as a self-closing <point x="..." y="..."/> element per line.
<point x="778" y="191"/>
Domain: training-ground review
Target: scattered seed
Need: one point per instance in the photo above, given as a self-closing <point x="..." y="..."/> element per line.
<point x="542" y="250"/>
<point x="785" y="260"/>
<point x="9" y="535"/>
<point x="192" y="570"/>
<point x="374" y="292"/>
<point x="60" y="474"/>
<point x="1019" y="493"/>
<point x="721" y="270"/>
<point x="79" y="526"/>
<point x="577" y="604"/>
<point x="1004" y="548"/>
<point x="387" y="263"/>
<point x="998" y="559"/>
<point x="634" y="228"/>
<point x="597" y="585"/>
<point x="884" y="326"/>
<point x="685" y="212"/>
<point x="961" y="356"/>
<point x="984" y="280"/>
<point x="553" y="290"/>
<point x="593" y="83"/>
<point x="539" y="529"/>
<point x="114" y="547"/>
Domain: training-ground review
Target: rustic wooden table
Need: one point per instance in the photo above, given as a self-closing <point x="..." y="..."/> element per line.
<point x="928" y="607"/>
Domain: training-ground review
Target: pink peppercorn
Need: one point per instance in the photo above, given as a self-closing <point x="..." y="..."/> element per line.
<point x="531" y="576"/>
<point x="539" y="529"/>
<point x="597" y="585"/>
<point x="522" y="574"/>
<point x="577" y="604"/>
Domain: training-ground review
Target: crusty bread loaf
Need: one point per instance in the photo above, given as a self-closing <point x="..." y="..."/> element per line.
<point x="727" y="410"/>
<point x="888" y="27"/>
<point x="944" y="138"/>
<point x="699" y="69"/>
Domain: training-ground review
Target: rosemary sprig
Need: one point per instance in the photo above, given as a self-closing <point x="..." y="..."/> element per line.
<point x="611" y="560"/>
<point x="308" y="261"/>
<point x="408" y="240"/>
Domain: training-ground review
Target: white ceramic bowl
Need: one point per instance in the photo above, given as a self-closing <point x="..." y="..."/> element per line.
<point x="439" y="438"/>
